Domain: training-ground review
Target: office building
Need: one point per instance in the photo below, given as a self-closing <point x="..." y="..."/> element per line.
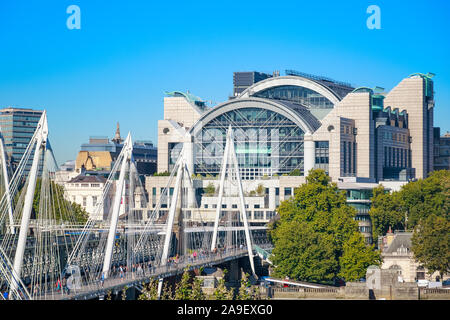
<point x="17" y="128"/>
<point x="285" y="126"/>
<point x="99" y="154"/>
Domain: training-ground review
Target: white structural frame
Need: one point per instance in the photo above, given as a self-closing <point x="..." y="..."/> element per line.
<point x="41" y="140"/>
<point x="230" y="153"/>
<point x="6" y="182"/>
<point x="297" y="81"/>
<point x="180" y="166"/>
<point x="126" y="152"/>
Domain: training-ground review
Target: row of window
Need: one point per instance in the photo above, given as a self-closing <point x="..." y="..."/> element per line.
<point x="400" y="137"/>
<point x="348" y="129"/>
<point x="16" y="117"/>
<point x="349" y="158"/>
<point x="257" y="215"/>
<point x="84" y="201"/>
<point x="362" y="218"/>
<point x="86" y="185"/>
<point x="396" y="157"/>
<point x="233" y="206"/>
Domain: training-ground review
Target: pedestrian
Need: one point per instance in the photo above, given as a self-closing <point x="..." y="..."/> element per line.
<point x="121" y="273"/>
<point x="58" y="285"/>
<point x="102" y="279"/>
<point x="64" y="284"/>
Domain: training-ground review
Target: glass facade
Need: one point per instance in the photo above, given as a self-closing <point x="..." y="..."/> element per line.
<point x="266" y="143"/>
<point x="18" y="126"/>
<point x="322" y="155"/>
<point x="302" y="95"/>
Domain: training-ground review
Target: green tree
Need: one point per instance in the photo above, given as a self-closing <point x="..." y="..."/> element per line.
<point x="161" y="174"/>
<point x="356" y="258"/>
<point x="260" y="190"/>
<point x="149" y="291"/>
<point x="197" y="291"/>
<point x="246" y="290"/>
<point x="183" y="289"/>
<point x="210" y="189"/>
<point x="313" y="227"/>
<point x="58" y="207"/>
<point x="386" y="211"/>
<point x="221" y="292"/>
<point x="424" y="197"/>
<point x="304" y="254"/>
<point x="431" y="244"/>
<point x="295" y="172"/>
<point x="415" y="201"/>
<point x="166" y="293"/>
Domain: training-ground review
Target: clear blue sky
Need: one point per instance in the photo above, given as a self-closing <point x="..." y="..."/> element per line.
<point x="127" y="53"/>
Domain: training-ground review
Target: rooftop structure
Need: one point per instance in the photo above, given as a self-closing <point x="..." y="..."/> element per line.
<point x="100" y="153"/>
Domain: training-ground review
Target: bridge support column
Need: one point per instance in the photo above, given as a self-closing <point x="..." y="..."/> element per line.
<point x="41" y="140"/>
<point x="126" y="158"/>
<point x="310" y="157"/>
<point x="234" y="275"/>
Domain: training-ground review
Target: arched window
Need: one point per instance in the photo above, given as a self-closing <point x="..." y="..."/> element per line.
<point x="397" y="268"/>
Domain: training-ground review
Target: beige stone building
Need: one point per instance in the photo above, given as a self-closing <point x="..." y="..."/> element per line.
<point x="284" y="126"/>
<point x="397" y="255"/>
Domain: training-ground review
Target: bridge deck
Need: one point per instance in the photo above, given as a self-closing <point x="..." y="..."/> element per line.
<point x="115" y="283"/>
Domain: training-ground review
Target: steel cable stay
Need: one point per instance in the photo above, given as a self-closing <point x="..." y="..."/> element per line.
<point x="41" y="216"/>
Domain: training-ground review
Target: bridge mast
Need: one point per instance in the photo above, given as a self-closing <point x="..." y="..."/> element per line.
<point x="41" y="139"/>
<point x="126" y="152"/>
<point x="165" y="253"/>
<point x="6" y="182"/>
<point x="230" y="154"/>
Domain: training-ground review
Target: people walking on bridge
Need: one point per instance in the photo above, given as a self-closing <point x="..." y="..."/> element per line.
<point x="102" y="279"/>
<point x="139" y="271"/>
<point x="64" y="284"/>
<point x="121" y="273"/>
<point x="58" y="285"/>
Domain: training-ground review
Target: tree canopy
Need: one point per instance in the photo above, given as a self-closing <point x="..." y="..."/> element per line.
<point x="415" y="201"/>
<point x="423" y="207"/>
<point x="314" y="233"/>
<point x="431" y="244"/>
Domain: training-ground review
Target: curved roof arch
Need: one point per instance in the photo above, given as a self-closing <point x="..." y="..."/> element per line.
<point x="300" y="116"/>
<point x="292" y="81"/>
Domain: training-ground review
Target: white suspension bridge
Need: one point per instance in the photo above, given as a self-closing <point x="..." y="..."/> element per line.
<point x="46" y="254"/>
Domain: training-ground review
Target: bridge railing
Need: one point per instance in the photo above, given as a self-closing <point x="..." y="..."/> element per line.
<point x="141" y="272"/>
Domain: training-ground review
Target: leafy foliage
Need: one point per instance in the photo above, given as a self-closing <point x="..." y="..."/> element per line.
<point x="356" y="258"/>
<point x="295" y="172"/>
<point x="197" y="292"/>
<point x="162" y="174"/>
<point x="62" y="209"/>
<point x="183" y="288"/>
<point x="260" y="190"/>
<point x="246" y="290"/>
<point x="313" y="233"/>
<point x="415" y="201"/>
<point x="221" y="292"/>
<point x="210" y="189"/>
<point x="385" y="212"/>
<point x="431" y="244"/>
<point x="149" y="291"/>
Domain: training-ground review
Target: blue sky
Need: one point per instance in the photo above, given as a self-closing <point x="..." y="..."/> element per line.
<point x="126" y="54"/>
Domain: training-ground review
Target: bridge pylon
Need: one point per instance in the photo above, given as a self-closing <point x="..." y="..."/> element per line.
<point x="230" y="167"/>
